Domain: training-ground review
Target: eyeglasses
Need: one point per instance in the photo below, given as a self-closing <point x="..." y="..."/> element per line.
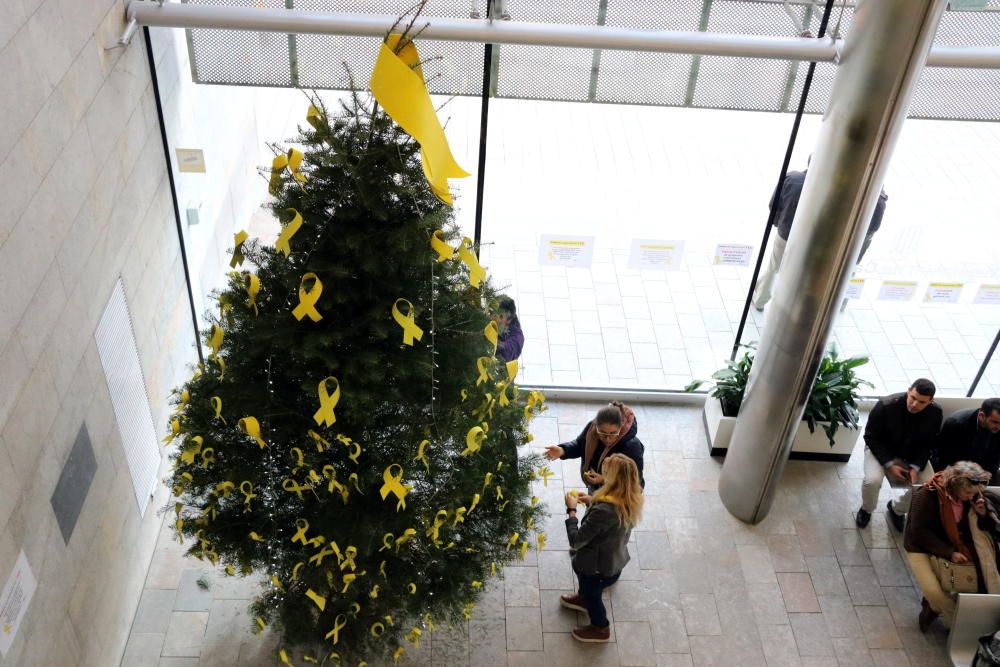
<point x="602" y="434"/>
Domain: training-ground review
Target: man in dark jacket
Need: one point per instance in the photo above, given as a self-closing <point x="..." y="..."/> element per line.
<point x="971" y="435"/>
<point x="900" y="433"/>
<point x="511" y="337"/>
<point x="787" y="201"/>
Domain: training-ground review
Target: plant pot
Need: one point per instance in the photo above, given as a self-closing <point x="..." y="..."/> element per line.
<point x="807" y="446"/>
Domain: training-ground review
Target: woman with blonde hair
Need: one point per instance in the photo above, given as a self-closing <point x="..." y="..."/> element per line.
<point x="598" y="545"/>
<point x="938" y="526"/>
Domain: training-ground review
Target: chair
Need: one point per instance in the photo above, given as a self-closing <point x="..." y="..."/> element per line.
<point x="975" y="615"/>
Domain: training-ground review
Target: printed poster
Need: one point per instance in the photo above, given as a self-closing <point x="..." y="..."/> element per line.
<point x="733" y="254"/>
<point x="855" y="287"/>
<point x="655" y="255"/>
<point x="988" y="294"/>
<point x="943" y="293"/>
<point x="575" y="252"/>
<point x="897" y="290"/>
<point x="14" y="601"/>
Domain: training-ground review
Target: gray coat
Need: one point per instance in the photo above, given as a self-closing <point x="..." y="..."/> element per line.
<point x="598" y="545"/>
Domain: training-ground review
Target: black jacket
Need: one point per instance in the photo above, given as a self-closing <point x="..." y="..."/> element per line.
<point x="962" y="439"/>
<point x="629" y="445"/>
<point x="788" y="200"/>
<point x="599" y="544"/>
<point x="892" y="433"/>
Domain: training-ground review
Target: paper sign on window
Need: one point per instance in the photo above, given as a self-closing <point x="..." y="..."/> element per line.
<point x="655" y="255"/>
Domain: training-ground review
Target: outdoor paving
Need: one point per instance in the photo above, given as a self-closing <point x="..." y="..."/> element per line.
<point x="805" y="587"/>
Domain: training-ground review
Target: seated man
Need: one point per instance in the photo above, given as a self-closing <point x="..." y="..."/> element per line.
<point x="511" y="337"/>
<point x="899" y="435"/>
<point x="971" y="435"/>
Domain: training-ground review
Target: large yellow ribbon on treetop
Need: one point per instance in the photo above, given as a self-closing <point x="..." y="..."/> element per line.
<point x="250" y="426"/>
<point x="239" y="238"/>
<point x="393" y="484"/>
<point x="476" y="272"/>
<point x="444" y="251"/>
<point x="410" y="328"/>
<point x="398" y="85"/>
<point x="287" y="232"/>
<point x="473" y="440"/>
<point x="327" y="402"/>
<point x="309" y="298"/>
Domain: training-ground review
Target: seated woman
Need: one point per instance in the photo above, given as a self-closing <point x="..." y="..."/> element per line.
<point x="598" y="546"/>
<point x="938" y="525"/>
<point x="612" y="431"/>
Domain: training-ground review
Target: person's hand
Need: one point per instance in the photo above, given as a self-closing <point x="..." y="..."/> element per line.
<point x="553" y="452"/>
<point x="899" y="472"/>
<point x="959" y="557"/>
<point x="913" y="476"/>
<point x="585" y="499"/>
<point x="979" y="504"/>
<point x="593" y="478"/>
<point x="570" y="501"/>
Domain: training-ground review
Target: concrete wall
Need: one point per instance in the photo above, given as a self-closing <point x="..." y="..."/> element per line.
<point x="85" y="199"/>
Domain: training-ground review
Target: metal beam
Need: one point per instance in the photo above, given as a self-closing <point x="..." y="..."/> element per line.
<point x="882" y="61"/>
<point x="295" y="21"/>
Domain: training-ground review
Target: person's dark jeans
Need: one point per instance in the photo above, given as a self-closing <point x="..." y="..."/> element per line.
<point x="591" y="588"/>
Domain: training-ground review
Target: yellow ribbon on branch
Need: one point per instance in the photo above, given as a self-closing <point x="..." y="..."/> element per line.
<point x="250" y="426"/>
<point x="476" y="272"/>
<point x="309" y="298"/>
<point x="444" y="251"/>
<point x="292" y="160"/>
<point x="473" y="440"/>
<point x="410" y="328"/>
<point x="217" y="406"/>
<point x="393" y="485"/>
<point x="397" y="84"/>
<point x="239" y="238"/>
<point x="327" y="402"/>
<point x="287" y="232"/>
<point x="253" y="289"/>
<point x="339" y="623"/>
<point x="421" y="454"/>
<point x="216" y="338"/>
<point x="492" y="334"/>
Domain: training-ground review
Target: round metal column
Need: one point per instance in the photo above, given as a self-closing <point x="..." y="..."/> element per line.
<point x="881" y="62"/>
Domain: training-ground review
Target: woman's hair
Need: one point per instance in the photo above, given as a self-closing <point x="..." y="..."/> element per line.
<point x="621" y="488"/>
<point x="963" y="476"/>
<point x="610" y="414"/>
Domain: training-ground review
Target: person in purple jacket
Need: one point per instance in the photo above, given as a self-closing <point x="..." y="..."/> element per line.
<point x="511" y="337"/>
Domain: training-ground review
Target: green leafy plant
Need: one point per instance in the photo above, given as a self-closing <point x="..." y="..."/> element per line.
<point x="832" y="402"/>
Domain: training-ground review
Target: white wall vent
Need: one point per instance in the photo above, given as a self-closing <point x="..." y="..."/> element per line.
<point x="120" y="358"/>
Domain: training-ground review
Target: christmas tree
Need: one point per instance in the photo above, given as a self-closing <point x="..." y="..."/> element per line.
<point x="351" y="437"/>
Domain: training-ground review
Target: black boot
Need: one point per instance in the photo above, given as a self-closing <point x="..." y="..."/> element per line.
<point x="862" y="518"/>
<point x="898" y="521"/>
<point x="927" y="615"/>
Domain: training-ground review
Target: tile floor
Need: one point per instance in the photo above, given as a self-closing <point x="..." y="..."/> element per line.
<point x="803" y="588"/>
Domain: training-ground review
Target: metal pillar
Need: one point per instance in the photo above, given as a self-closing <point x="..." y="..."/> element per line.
<point x="879" y="68"/>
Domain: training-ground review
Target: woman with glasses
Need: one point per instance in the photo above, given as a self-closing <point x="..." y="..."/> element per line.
<point x="938" y="526"/>
<point x="598" y="545"/>
<point x="612" y="431"/>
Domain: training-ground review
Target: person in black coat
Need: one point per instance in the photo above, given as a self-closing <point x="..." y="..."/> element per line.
<point x="900" y="433"/>
<point x="971" y="435"/>
<point x="612" y="431"/>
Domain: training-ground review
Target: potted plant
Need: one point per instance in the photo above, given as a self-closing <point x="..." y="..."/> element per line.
<point x="832" y="404"/>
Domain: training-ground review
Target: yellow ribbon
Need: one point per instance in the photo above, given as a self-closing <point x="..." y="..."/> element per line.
<point x="238" y="240"/>
<point x="187" y="456"/>
<point x="350" y="553"/>
<point x="398" y="653"/>
<point x="295" y="570"/>
<point x="175" y="430"/>
<point x="255" y="537"/>
<point x="513" y="540"/>
<point x="439" y="520"/>
<point x="377" y="629"/>
<point x="348" y="580"/>
<point x="215" y="338"/>
<point x="292" y="160"/>
<point x="411" y="588"/>
<point x="318" y="557"/>
<point x="392" y="485"/>
<point x="410" y="328"/>
<point x="222" y="366"/>
<point x="481" y="364"/>
<point x="492" y="334"/>
<point x="321" y="443"/>
<point x="327" y="402"/>
<point x="355" y="451"/>
<point x="534" y="500"/>
<point x="413" y="636"/>
<point x="300" y="534"/>
<point x="217" y="406"/>
<point x="225" y="487"/>
<point x="397" y="83"/>
<point x="353" y="477"/>
<point x="545" y="473"/>
<point x="331" y="474"/>
<point x="317" y="598"/>
<point x="475" y="501"/>
<point x="477" y="584"/>
<point x="246" y="488"/>
<point x="524" y="549"/>
<point x="465" y="395"/>
<point x="284" y="658"/>
<point x="467" y="610"/>
<point x="486" y="480"/>
<point x="338" y="624"/>
<point x="421" y="456"/>
<point x="541" y="541"/>
<point x="387" y="541"/>
<point x="444" y="251"/>
<point x="309" y="298"/>
<point x="459" y="516"/>
<point x="407" y="535"/>
<point x="292" y="486"/>
<point x="250" y="426"/>
<point x="473" y="440"/>
<point x="253" y="289"/>
<point x="287" y="232"/>
<point x="499" y="494"/>
<point x="314" y="117"/>
<point x="476" y="272"/>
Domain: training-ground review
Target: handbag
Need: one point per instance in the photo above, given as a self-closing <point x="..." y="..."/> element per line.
<point x="987" y="653"/>
<point x="955" y="577"/>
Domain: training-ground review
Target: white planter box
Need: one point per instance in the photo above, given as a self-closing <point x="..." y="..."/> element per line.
<point x="811" y="446"/>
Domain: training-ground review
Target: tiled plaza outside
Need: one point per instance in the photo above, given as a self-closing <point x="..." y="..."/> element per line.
<point x="803" y="588"/>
